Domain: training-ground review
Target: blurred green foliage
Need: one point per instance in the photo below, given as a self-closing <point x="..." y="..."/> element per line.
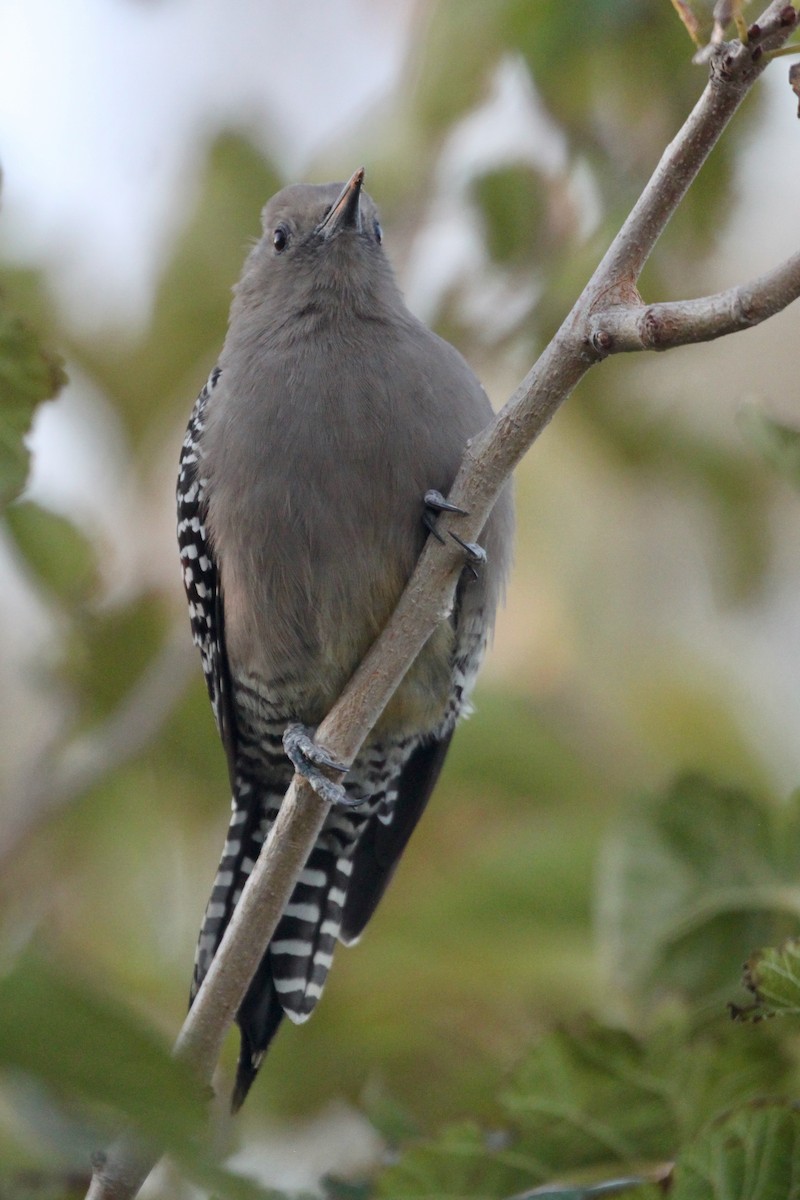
<point x="28" y="375"/>
<point x="60" y="558"/>
<point x="749" y="1153"/>
<point x="552" y="963"/>
<point x="713" y="867"/>
<point x="752" y="1151"/>
<point x="778" y="442"/>
<point x="688" y="880"/>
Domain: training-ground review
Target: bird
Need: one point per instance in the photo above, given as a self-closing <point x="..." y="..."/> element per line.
<point x="316" y="462"/>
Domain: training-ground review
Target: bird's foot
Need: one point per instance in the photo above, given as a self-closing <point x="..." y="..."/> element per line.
<point x="312" y="761"/>
<point x="474" y="555"/>
<point x="435" y="503"/>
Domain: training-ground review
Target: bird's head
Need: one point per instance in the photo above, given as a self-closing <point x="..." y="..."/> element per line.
<point x="320" y="253"/>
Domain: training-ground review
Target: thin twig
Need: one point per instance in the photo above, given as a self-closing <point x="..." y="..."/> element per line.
<point x="428" y="597"/>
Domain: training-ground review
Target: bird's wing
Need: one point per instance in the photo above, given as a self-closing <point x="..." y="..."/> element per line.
<point x="201" y="579"/>
<point x="388" y="830"/>
<point x="201" y="575"/>
<point x="382" y="842"/>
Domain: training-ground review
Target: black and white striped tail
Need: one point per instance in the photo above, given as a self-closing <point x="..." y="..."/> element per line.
<point x="249" y="824"/>
<point x="291" y="976"/>
<point x="293" y="971"/>
<point x="301" y="952"/>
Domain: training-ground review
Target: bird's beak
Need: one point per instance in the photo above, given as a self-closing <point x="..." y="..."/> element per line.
<point x="346" y="211"/>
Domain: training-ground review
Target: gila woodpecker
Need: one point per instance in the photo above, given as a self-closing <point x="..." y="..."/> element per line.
<point x="316" y="458"/>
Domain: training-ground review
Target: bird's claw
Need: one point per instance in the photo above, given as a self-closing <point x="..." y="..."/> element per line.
<point x="435" y="503"/>
<point x="298" y="741"/>
<point x="474" y="554"/>
<point x="312" y="761"/>
<point x="429" y="521"/>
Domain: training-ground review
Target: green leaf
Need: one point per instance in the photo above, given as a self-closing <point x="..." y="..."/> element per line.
<point x="751" y="1154"/>
<point x="598" y="1105"/>
<point x="59" y="555"/>
<point x="513" y="203"/>
<point x="67" y="1035"/>
<point x="697" y="866"/>
<point x="28" y="375"/>
<point x="773" y="977"/>
<point x="109" y="648"/>
<point x="591" y="1099"/>
<point x="459" y="1163"/>
<point x="778" y="443"/>
<point x="600" y="1098"/>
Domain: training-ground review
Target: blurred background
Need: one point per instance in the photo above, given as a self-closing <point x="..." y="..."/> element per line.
<point x="651" y="624"/>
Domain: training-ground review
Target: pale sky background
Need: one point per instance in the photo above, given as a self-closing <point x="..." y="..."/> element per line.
<point x="106" y="108"/>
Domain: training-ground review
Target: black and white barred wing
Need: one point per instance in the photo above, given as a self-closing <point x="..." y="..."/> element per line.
<point x="410" y="780"/>
<point x="387" y="832"/>
<point x="200" y="574"/>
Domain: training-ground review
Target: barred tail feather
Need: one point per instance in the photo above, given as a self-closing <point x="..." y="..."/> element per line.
<point x="292" y="973"/>
<point x="258" y="1019"/>
<point x="293" y="970"/>
<point x="246" y="833"/>
<point x="301" y="952"/>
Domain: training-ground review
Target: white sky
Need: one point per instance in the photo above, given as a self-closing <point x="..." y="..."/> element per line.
<point x="106" y="107"/>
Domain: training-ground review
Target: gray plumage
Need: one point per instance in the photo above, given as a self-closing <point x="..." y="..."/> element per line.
<point x="331" y="413"/>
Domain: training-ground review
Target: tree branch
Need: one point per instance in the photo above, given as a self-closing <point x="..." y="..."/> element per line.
<point x="623" y="327"/>
<point x="606" y="302"/>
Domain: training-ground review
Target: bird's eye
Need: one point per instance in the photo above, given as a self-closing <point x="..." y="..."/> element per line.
<point x="378" y="232"/>
<point x="280" y="238"/>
